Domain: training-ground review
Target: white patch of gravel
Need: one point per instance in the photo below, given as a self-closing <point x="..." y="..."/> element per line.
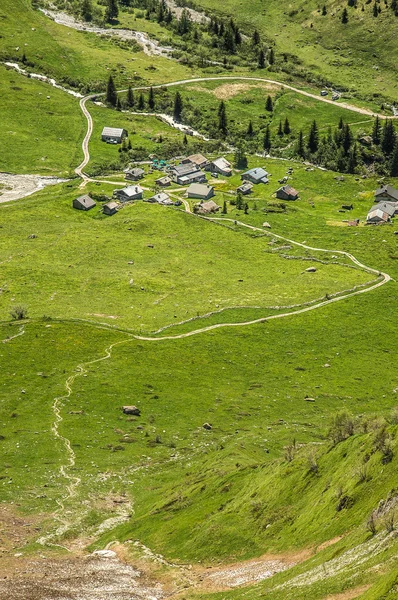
<point x="20" y="186"/>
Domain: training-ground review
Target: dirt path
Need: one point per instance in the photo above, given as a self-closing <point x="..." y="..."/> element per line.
<point x="12" y="337"/>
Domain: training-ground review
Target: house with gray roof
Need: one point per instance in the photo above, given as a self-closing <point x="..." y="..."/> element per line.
<point x="206" y="208"/>
<point x="257" y="175"/>
<point x="110" y="208"/>
<point x="180" y="171"/>
<point x="386" y="193"/>
<point x="113" y="135"/>
<point x="83" y="203"/>
<point x="163" y="181"/>
<point x="196" y="159"/>
<point x="245" y="188"/>
<point x="200" y="191"/>
<point x="131" y="192"/>
<point x="161" y="198"/>
<point x="135" y="174"/>
<point x="196" y="177"/>
<point x="222" y="166"/>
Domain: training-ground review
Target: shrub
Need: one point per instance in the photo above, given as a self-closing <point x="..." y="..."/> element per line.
<point x="18" y="313"/>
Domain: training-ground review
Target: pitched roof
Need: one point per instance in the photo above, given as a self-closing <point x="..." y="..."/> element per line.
<point x="257" y="173"/>
<point x="136" y="171"/>
<point x="246" y="185"/>
<point x="387" y="207"/>
<point x="185" y="169"/>
<point x="288" y="189"/>
<point x="113" y="131"/>
<point x="131" y="190"/>
<point x="197" y="159"/>
<point x="389" y="190"/>
<point x="378" y="213"/>
<point x="209" y="206"/>
<point x="221" y="163"/>
<point x="86" y="201"/>
<point x="161" y="197"/>
<point x="111" y="205"/>
<point x="199" y="188"/>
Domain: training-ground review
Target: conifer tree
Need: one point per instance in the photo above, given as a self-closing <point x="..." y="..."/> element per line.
<point x="313" y="138"/>
<point x="141" y="102"/>
<point x="261" y="59"/>
<point x="250" y="130"/>
<point x="267" y="140"/>
<point x="376" y="133"/>
<point x="151" y="99"/>
<point x="286" y="127"/>
<point x="178" y="105"/>
<point x="111" y="93"/>
<point x="224" y="208"/>
<point x="268" y="105"/>
<point x="280" y="129"/>
<point x="256" y="38"/>
<point x="375" y="10"/>
<point x="341" y="123"/>
<point x="394" y="162"/>
<point x="388" y="137"/>
<point x="271" y="57"/>
<point x="347" y="138"/>
<point x="300" y="144"/>
<point x="324" y="11"/>
<point x="86" y="10"/>
<point x="222" y="118"/>
<point x="344" y="16"/>
<point x="130" y="100"/>
<point x="118" y="104"/>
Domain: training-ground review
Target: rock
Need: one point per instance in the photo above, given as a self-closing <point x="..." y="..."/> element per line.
<point x="150" y="246"/>
<point x="32" y="236"/>
<point x="131" y="410"/>
<point x="308" y="399"/>
<point x="105" y="553"/>
<point x="207" y="426"/>
<point x="326" y="365"/>
<point x="267" y="225"/>
<point x="311" y="270"/>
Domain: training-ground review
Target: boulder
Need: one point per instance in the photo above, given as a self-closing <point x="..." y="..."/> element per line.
<point x="131" y="410"/>
<point x="311" y="270"/>
<point x="267" y="225"/>
<point x="207" y="426"/>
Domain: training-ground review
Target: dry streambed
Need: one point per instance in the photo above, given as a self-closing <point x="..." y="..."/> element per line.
<point x="15" y="187"/>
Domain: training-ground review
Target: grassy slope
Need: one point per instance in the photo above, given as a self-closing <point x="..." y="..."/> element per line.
<point x="342" y="54"/>
<point x="78" y="266"/>
<point x="43" y="136"/>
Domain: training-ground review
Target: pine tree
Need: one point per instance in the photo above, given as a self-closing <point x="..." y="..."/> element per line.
<point x="185" y="140"/>
<point x="246" y="207"/>
<point x="239" y="201"/>
<point x="394" y="162"/>
<point x="151" y="99"/>
<point x="280" y="129"/>
<point x="161" y="12"/>
<point x="225" y="62"/>
<point x="375" y="10"/>
<point x="222" y="118"/>
<point x="130" y="100"/>
<point x="229" y="41"/>
<point x="388" y="137"/>
<point x="353" y="160"/>
<point x="184" y="23"/>
<point x="344" y="16"/>
<point x="267" y="140"/>
<point x="112" y="10"/>
<point x="24" y="60"/>
<point x="324" y="11"/>
<point x="240" y="158"/>
<point x="268" y="105"/>
<point x="261" y="59"/>
<point x="313" y="138"/>
<point x="111" y="93"/>
<point x="177" y="110"/>
<point x="341" y="123"/>
<point x="118" y="104"/>
<point x="271" y="57"/>
<point x="224" y="208"/>
<point x="238" y="37"/>
<point x="300" y="144"/>
<point x="250" y="130"/>
<point x="256" y="38"/>
<point x="347" y="138"/>
<point x="286" y="127"/>
<point x="86" y="10"/>
<point x="168" y="17"/>
<point x="141" y="102"/>
<point x="129" y="146"/>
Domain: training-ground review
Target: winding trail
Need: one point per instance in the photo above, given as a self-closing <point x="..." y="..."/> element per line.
<point x="12" y="337"/>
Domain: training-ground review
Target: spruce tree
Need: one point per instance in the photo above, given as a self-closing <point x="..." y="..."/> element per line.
<point x="347" y="138"/>
<point x="177" y="110"/>
<point x="324" y="11"/>
<point x="286" y="127"/>
<point x="280" y="129"/>
<point x="375" y="10"/>
<point x="151" y="99"/>
<point x="141" y="102"/>
<point x="111" y="93"/>
<point x="271" y="57"/>
<point x="300" y="144"/>
<point x="224" y="208"/>
<point x="267" y="140"/>
<point x="246" y="208"/>
<point x="344" y="16"/>
<point x="261" y="59"/>
<point x="313" y="138"/>
<point x="112" y="10"/>
<point x="240" y="158"/>
<point x="268" y="105"/>
<point x="376" y="133"/>
<point x="239" y="201"/>
<point x="130" y="100"/>
<point x="184" y="22"/>
<point x="222" y="118"/>
<point x="388" y="137"/>
<point x="250" y="130"/>
<point x="185" y="140"/>
<point x="353" y="160"/>
<point x="394" y="162"/>
<point x="256" y="38"/>
<point x="341" y="123"/>
<point x="118" y="104"/>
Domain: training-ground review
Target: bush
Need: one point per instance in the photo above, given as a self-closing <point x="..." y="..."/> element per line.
<point x="18" y="313"/>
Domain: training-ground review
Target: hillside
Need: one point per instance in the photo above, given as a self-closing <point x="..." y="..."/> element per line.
<point x="197" y="405"/>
